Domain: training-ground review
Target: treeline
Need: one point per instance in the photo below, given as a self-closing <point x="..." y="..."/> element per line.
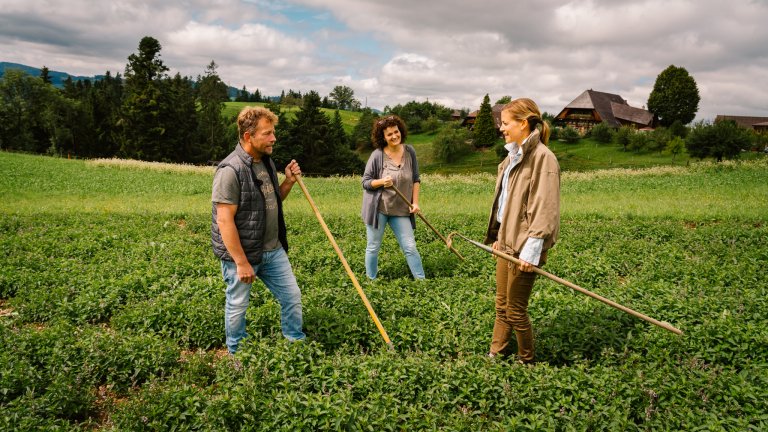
<point x="719" y="140"/>
<point x="148" y="115"/>
<point x="145" y="114"/>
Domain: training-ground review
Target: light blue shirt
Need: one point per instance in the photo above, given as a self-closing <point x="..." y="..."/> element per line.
<point x="532" y="250"/>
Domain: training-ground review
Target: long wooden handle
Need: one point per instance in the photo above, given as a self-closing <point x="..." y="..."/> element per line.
<point x="561" y="281"/>
<point x="421" y="216"/>
<point x="345" y="264"/>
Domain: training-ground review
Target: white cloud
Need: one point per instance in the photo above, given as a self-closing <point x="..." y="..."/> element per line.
<point x="452" y="51"/>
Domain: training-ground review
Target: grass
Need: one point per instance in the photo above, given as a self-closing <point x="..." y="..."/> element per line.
<point x="111" y="307"/>
<point x="700" y="190"/>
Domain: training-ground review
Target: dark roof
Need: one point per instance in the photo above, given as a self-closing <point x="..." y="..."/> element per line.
<point x="632" y="114"/>
<point x="600" y="102"/>
<point x="495" y="111"/>
<point x="609" y="107"/>
<point x="743" y="121"/>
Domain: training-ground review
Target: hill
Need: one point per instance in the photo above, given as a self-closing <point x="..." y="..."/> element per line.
<point x="58" y="78"/>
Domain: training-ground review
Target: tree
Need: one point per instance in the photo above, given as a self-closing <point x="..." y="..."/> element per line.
<point x="659" y="139"/>
<point x="452" y="143"/>
<point x="45" y="75"/>
<point x="337" y="134"/>
<point x="28" y="112"/>
<point x="675" y="146"/>
<point x="678" y="129"/>
<point x="724" y="139"/>
<point x="569" y="135"/>
<point x="212" y="93"/>
<point x="602" y="133"/>
<point x="307" y="137"/>
<point x="623" y="136"/>
<point x="141" y="126"/>
<point x="504" y="100"/>
<point x="106" y="99"/>
<point x="416" y="115"/>
<point x="344" y="97"/>
<point x="361" y="134"/>
<point x="181" y="140"/>
<point x="311" y="142"/>
<point x="485" y="132"/>
<point x="242" y="95"/>
<point x="675" y="96"/>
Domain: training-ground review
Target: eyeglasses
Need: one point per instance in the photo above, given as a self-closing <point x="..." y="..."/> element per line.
<point x="384" y="120"/>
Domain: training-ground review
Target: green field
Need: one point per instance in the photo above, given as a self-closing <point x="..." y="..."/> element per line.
<point x="348" y="118"/>
<point x="111" y="308"/>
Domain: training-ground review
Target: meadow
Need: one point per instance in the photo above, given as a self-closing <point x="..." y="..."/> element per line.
<point x="111" y="308"/>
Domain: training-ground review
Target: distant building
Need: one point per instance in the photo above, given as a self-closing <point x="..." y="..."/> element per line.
<point x="469" y="120"/>
<point x="758" y="124"/>
<point x="593" y="107"/>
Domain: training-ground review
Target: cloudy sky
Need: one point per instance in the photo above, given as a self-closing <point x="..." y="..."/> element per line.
<point x="389" y="52"/>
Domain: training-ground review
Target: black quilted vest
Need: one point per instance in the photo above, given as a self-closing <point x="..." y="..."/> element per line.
<point x="250" y="218"/>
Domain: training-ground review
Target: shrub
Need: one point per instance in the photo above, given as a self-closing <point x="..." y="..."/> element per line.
<point x="602" y="133"/>
<point x="569" y="135"/>
<point x="724" y="139"/>
<point x="623" y="135"/>
<point x="452" y="143"/>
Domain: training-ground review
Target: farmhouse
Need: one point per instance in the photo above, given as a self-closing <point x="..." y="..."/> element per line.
<point x="469" y="120"/>
<point x="758" y="124"/>
<point x="593" y="107"/>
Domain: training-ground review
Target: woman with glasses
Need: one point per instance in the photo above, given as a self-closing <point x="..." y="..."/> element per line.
<point x="391" y="165"/>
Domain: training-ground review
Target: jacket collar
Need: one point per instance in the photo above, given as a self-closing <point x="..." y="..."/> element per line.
<point x="243" y="155"/>
<point x="530" y="142"/>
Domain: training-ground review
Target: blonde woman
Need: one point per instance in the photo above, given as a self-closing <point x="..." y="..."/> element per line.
<point x="524" y="222"/>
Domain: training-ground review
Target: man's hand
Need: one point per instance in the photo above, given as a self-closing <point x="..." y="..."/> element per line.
<point x="245" y="273"/>
<point x="292" y="170"/>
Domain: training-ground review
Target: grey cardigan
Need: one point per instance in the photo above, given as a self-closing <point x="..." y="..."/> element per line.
<point x="371" y="195"/>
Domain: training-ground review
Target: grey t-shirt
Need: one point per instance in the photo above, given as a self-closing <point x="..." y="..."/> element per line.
<point x="402" y="177"/>
<point x="226" y="190"/>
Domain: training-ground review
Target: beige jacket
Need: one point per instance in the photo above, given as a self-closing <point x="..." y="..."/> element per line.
<point x="533" y="201"/>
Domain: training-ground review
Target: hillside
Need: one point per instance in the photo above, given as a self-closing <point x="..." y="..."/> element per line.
<point x="58" y="78"/>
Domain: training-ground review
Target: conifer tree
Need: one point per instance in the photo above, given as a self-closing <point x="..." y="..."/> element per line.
<point x="484" y="132"/>
<point x="181" y="142"/>
<point x="338" y="136"/>
<point x="212" y="93"/>
<point x="141" y="115"/>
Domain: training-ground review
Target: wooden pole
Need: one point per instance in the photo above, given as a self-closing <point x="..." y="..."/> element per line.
<point x="421" y="216"/>
<point x="346" y="264"/>
<point x="664" y="325"/>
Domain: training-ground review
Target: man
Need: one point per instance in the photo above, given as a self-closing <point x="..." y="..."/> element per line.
<point x="248" y="229"/>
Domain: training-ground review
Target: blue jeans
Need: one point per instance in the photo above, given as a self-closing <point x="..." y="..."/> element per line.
<point x="401" y="227"/>
<point x="276" y="273"/>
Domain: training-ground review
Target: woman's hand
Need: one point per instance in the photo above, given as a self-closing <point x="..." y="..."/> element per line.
<point x="525" y="266"/>
<point x="415" y="208"/>
<point x="384" y="182"/>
